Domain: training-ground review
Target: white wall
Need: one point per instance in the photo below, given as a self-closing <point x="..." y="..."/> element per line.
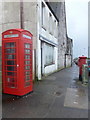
<point x="45" y="32"/>
<point x="68" y="60"/>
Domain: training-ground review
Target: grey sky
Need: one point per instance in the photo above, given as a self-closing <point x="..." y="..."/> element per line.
<point x="77" y="25"/>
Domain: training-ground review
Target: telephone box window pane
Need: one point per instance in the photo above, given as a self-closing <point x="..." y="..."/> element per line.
<point x="10" y="57"/>
<point x="11" y="83"/>
<point x="7" y="45"/>
<point x="10" y="79"/>
<point x="27" y="51"/>
<point x="27" y="56"/>
<point x="27" y="67"/>
<point x="10" y="73"/>
<point x="27" y="45"/>
<point x="11" y="68"/>
<point x="27" y="78"/>
<point x="9" y="62"/>
<point x="27" y="83"/>
<point x="27" y="62"/>
<point x="11" y="44"/>
<point x="10" y="50"/>
<point x="27" y="73"/>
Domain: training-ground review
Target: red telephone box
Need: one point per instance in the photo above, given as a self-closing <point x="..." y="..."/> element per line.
<point x="81" y="61"/>
<point x="17" y="62"/>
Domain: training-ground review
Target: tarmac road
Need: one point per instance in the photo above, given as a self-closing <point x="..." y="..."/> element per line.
<point x="59" y="95"/>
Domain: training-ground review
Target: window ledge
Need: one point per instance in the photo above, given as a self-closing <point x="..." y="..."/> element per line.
<point x="49" y="64"/>
<point x="44" y="27"/>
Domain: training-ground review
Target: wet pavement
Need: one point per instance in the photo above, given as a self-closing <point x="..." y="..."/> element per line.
<point x="59" y="95"/>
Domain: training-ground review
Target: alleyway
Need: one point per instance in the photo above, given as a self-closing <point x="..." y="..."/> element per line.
<point x="59" y="95"/>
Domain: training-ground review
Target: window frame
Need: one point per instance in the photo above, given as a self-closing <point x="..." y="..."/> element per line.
<point x="49" y="55"/>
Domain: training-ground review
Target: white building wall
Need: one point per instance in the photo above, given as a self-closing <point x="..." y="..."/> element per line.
<point x="62" y="40"/>
<point x="68" y="60"/>
<point x="45" y="32"/>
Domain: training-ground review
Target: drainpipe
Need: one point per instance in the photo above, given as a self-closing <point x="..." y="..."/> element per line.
<point x="21" y="15"/>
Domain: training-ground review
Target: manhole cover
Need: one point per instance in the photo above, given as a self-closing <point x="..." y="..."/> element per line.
<point x="58" y="93"/>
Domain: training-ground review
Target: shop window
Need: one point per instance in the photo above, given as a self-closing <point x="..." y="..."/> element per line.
<point x="49" y="55"/>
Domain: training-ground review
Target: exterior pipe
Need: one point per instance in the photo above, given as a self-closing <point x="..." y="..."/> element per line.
<point x="21" y="15"/>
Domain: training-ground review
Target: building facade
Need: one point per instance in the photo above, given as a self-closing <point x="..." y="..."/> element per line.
<point x="69" y="53"/>
<point x="47" y="22"/>
<point x="64" y="59"/>
<point x="47" y="47"/>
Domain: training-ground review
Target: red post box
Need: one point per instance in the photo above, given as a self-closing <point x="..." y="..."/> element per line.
<point x="17" y="62"/>
<point x="81" y="61"/>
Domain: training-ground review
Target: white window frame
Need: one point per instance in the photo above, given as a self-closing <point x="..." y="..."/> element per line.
<point x="49" y="55"/>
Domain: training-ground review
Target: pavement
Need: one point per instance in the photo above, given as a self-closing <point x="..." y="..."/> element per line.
<point x="59" y="95"/>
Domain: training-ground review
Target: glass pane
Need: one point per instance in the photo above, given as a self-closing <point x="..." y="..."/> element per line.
<point x="10" y="57"/>
<point x="27" y="67"/>
<point x="10" y="50"/>
<point x="49" y="56"/>
<point x="27" y="45"/>
<point x="27" y="56"/>
<point x="10" y="79"/>
<point x="27" y="62"/>
<point x="27" y="78"/>
<point x="9" y="62"/>
<point x="27" y="51"/>
<point x="11" y="68"/>
<point x="11" y="85"/>
<point x="10" y="73"/>
<point x="27" y="73"/>
<point x="7" y="44"/>
<point x="27" y="83"/>
<point x="10" y="44"/>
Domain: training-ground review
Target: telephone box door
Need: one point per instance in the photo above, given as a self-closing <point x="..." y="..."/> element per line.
<point x="10" y="64"/>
